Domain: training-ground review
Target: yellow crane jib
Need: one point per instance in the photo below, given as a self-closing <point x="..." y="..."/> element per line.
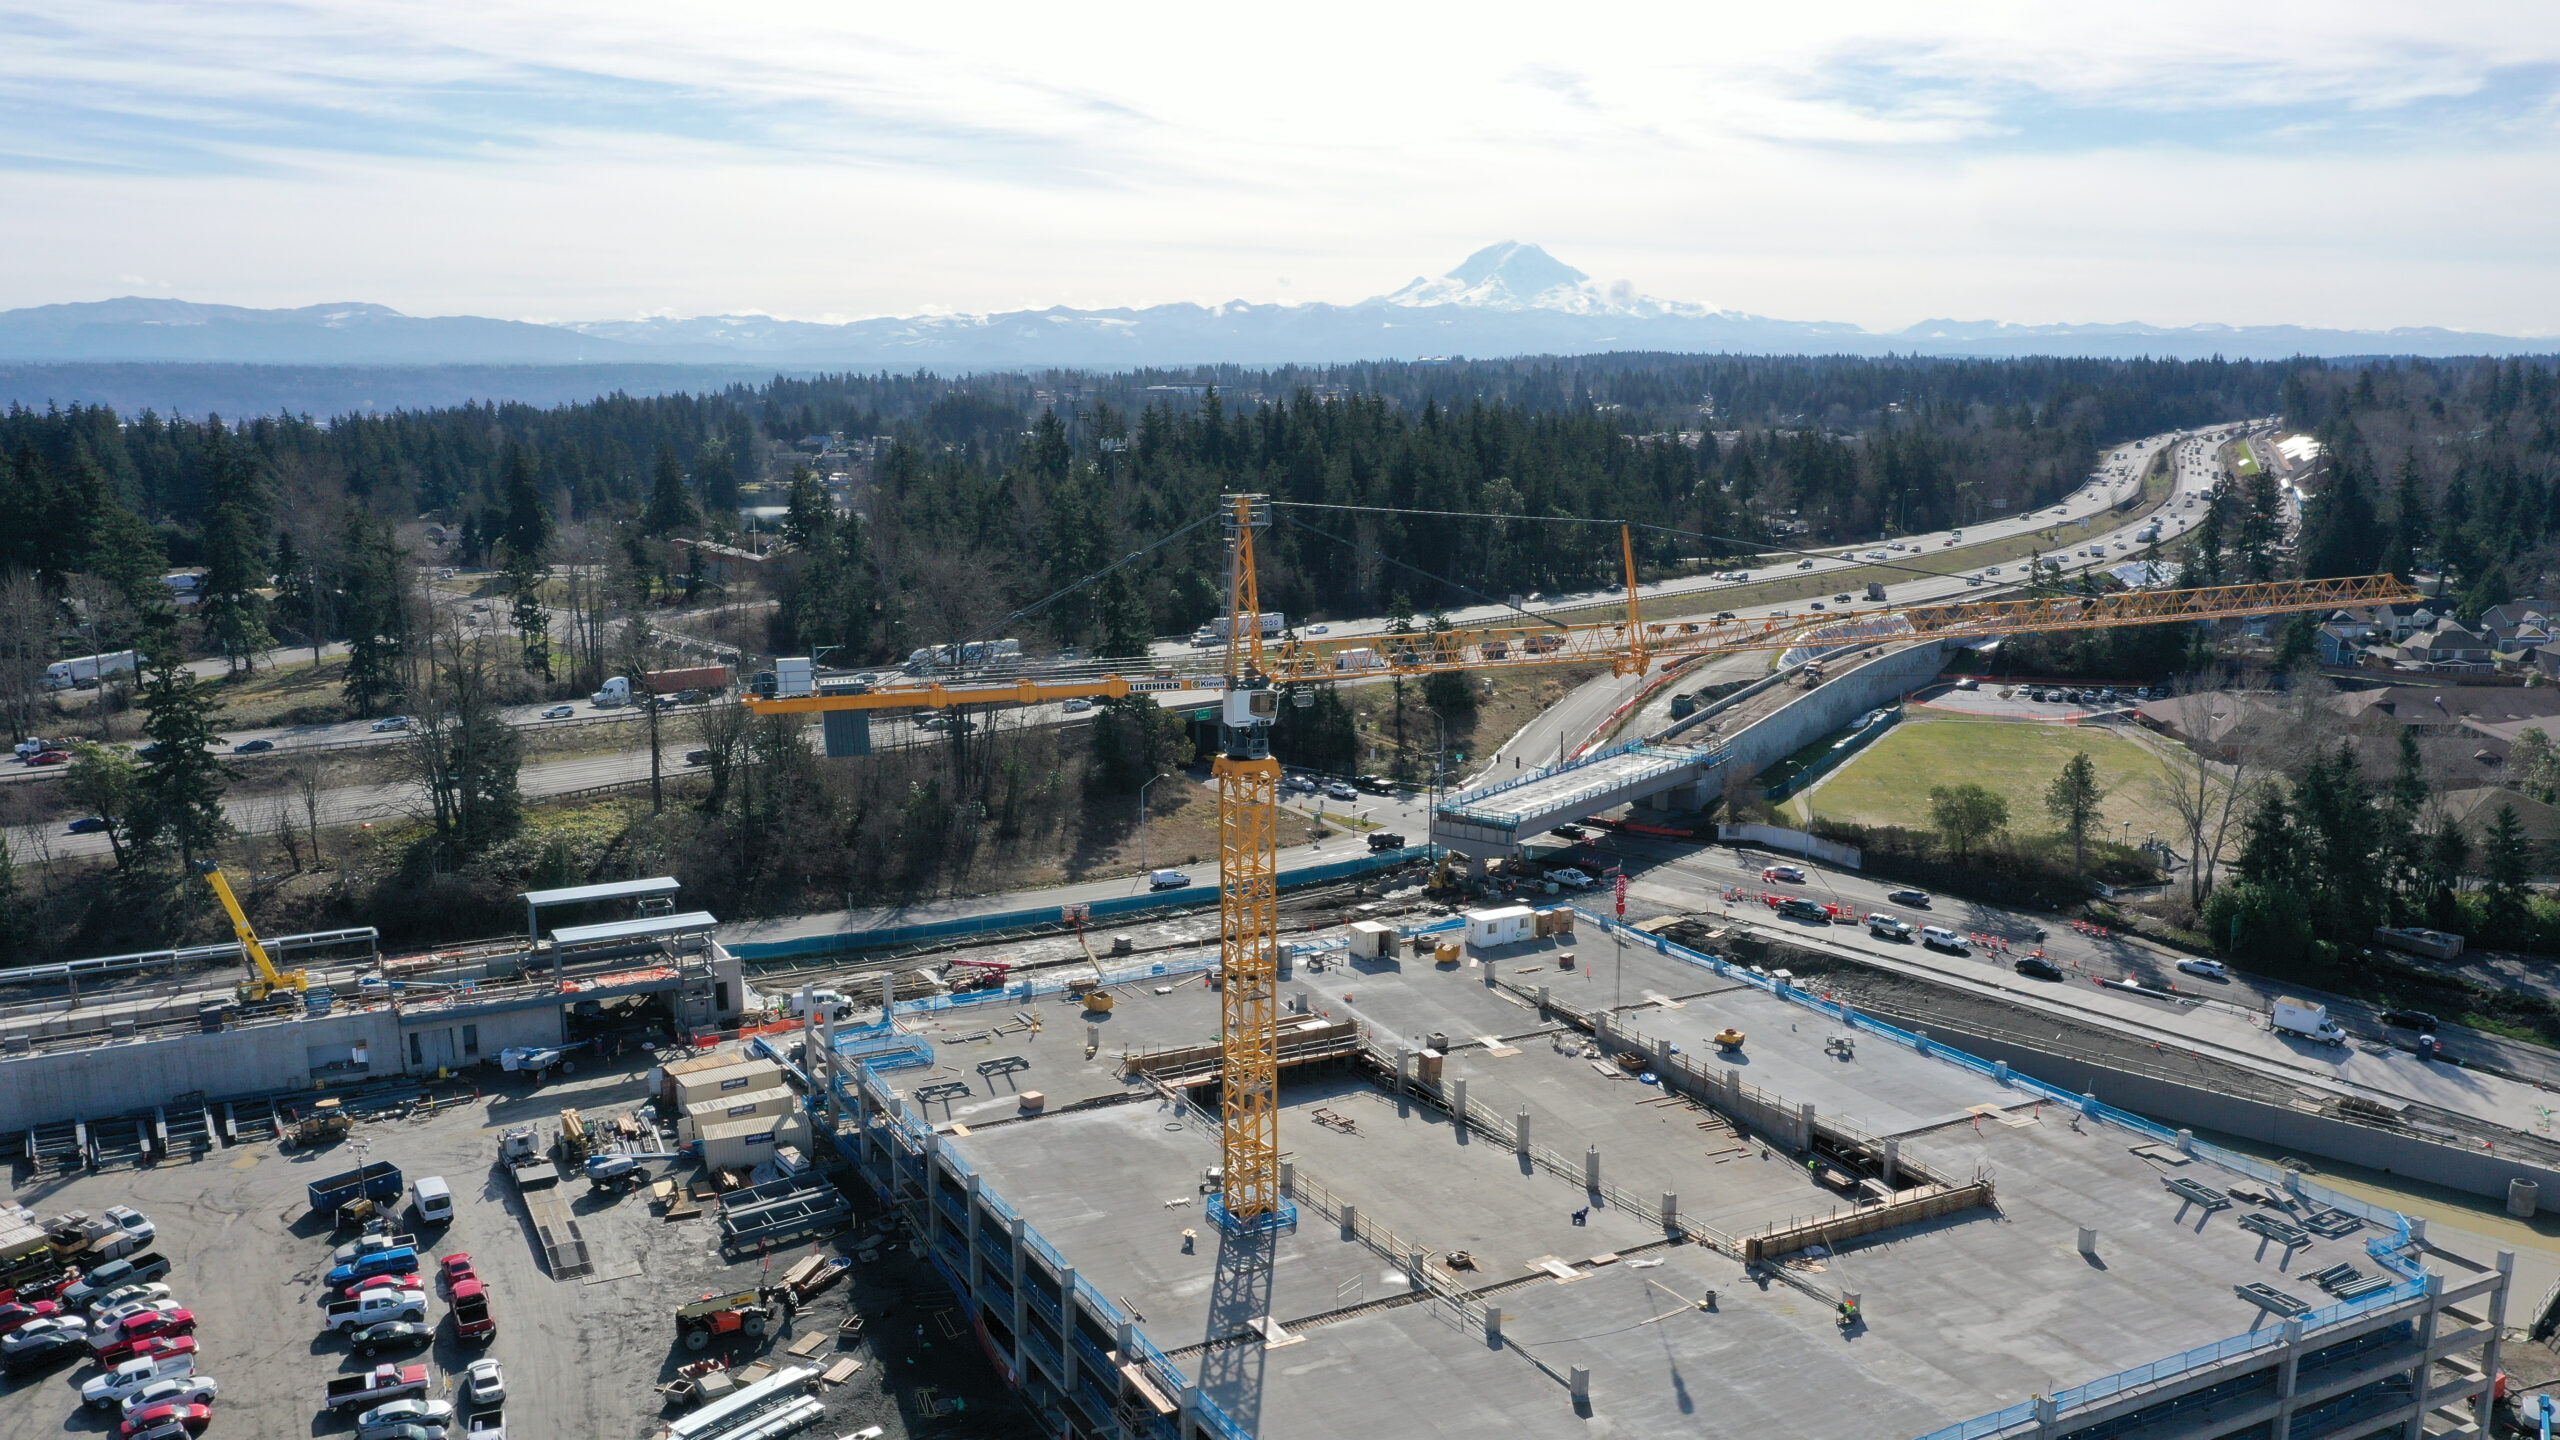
<point x="269" y="978"/>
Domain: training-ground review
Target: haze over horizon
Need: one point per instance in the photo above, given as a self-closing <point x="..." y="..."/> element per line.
<point x="2353" y="166"/>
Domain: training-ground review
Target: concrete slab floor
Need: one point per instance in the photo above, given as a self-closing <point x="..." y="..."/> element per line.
<point x="581" y="1356"/>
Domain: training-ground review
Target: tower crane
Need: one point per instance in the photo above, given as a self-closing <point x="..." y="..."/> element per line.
<point x="1256" y="673"/>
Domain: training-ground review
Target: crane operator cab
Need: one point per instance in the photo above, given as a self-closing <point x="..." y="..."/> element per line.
<point x="1245" y="716"/>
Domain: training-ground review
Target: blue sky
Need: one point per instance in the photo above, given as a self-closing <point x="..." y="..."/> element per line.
<point x="2337" y="164"/>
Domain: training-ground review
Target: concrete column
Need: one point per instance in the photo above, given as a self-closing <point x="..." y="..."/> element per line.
<point x="1413" y="1268"/>
<point x="1580" y="1378"/>
<point x="2088" y="1242"/>
<point x="1404" y="1062"/>
<point x="2048" y="1410"/>
<point x="2287" y="1370"/>
<point x="969" y="1237"/>
<point x="2186" y="1142"/>
<point x="1458" y="1105"/>
<point x="1892" y="1163"/>
<point x="1591" y="1168"/>
<point x="888" y="994"/>
<point x="1288" y="1177"/>
<point x="1493" y="1326"/>
<point x="1542" y="999"/>
<point x="1520" y="1131"/>
<point x="1923" y="1037"/>
<point x="1671" y="1211"/>
<point x="1661" y="1055"/>
<point x="2293" y="1182"/>
<point x="1067" y="1328"/>
<point x="2418" y="1229"/>
<point x="1804" y="1126"/>
<point x="2480" y="1402"/>
<point x="1350" y="1221"/>
<point x="1021" y="1299"/>
<point x="2088" y="1099"/>
<point x="1190" y="1403"/>
<point x="2000" y="1072"/>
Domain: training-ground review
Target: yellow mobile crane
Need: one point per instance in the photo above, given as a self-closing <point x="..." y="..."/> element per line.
<point x="268" y="979"/>
<point x="1255" y="674"/>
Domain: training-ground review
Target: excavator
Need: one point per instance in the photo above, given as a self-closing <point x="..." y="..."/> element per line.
<point x="1256" y="674"/>
<point x="269" y="981"/>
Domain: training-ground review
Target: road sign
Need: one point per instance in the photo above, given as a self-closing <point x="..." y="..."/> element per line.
<point x="1622" y="897"/>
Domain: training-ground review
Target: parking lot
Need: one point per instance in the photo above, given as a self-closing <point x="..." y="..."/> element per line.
<point x="582" y="1357"/>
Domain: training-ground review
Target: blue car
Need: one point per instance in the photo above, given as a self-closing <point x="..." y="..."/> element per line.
<point x="380" y="1262"/>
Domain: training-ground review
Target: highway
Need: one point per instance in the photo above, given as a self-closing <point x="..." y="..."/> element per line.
<point x="1559" y="731"/>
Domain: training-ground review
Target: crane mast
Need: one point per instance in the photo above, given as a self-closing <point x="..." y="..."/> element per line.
<point x="1248" y="895"/>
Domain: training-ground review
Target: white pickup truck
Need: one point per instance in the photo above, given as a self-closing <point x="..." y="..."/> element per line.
<point x="373" y="1308"/>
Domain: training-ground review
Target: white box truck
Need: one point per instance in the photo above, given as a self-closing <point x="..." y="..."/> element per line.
<point x="85" y="672"/>
<point x="2305" y="1018"/>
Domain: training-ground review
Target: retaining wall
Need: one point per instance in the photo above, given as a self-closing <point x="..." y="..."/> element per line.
<point x="126" y="1076"/>
<point x="1829" y="706"/>
<point x="2476" y="1172"/>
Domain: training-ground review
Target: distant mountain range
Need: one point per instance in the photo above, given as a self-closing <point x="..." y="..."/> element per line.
<point x="1508" y="299"/>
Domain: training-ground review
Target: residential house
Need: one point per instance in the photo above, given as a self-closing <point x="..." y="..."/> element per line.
<point x="2447" y="646"/>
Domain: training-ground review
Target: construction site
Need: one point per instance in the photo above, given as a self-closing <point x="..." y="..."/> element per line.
<point x="1353" y="1160"/>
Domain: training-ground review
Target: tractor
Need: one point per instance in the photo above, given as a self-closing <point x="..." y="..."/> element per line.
<point x="716" y="1317"/>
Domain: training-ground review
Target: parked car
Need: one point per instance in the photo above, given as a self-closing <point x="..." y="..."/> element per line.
<point x="125" y="1300"/>
<point x="1385" y="840"/>
<point x="16" y="1313"/>
<point x="168" y="1422"/>
<point x="559" y="712"/>
<point x="1571" y="879"/>
<point x="2410" y="1020"/>
<point x="118" y="1342"/>
<point x="456" y="1268"/>
<point x="1570" y="832"/>
<point x="44" y="1350"/>
<point x="89" y="825"/>
<point x="253" y="747"/>
<point x="413" y="1411"/>
<point x="392" y="1335"/>
<point x="2209" y="969"/>
<point x="2037" y="968"/>
<point x="1796" y="907"/>
<point x="1917" y="899"/>
<point x="50" y="757"/>
<point x="171" y="1390"/>
<point x="1888" y="927"/>
<point x="483" y="1382"/>
<point x="1341" y="790"/>
<point x="390" y="722"/>
<point x="1783" y="874"/>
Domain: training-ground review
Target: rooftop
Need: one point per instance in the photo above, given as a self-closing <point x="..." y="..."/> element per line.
<point x="1965" y="1313"/>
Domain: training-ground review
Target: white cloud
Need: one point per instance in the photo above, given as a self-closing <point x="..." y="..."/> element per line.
<point x="2325" y="164"/>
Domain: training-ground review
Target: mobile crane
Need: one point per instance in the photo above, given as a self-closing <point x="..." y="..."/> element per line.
<point x="1256" y="674"/>
<point x="268" y="980"/>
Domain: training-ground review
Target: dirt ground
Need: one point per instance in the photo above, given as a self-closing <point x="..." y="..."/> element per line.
<point x="581" y="1356"/>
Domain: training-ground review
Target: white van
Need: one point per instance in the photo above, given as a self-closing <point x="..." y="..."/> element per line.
<point x="1938" y="937"/>
<point x="1167" y="880"/>
<point x="434" y="1200"/>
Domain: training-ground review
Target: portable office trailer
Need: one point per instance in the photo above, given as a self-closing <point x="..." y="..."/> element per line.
<point x="1501" y="926"/>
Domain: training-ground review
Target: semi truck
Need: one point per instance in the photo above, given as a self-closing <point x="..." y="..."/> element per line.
<point x="85" y="672"/>
<point x="1269" y="622"/>
<point x="2306" y="1018"/>
<point x="709" y="679"/>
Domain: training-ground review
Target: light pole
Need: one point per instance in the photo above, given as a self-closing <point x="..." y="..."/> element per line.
<point x="1143" y="862"/>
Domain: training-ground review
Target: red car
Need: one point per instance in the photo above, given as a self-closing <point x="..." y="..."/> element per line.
<point x="50" y="757"/>
<point x="168" y="1419"/>
<point x="17" y="1313"/>
<point x="457" y="1268"/>
<point x="383" y="1282"/>
<point x="119" y="1342"/>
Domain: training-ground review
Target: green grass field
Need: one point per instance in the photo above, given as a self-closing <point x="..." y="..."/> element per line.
<point x="1889" y="783"/>
<point x="2244" y="458"/>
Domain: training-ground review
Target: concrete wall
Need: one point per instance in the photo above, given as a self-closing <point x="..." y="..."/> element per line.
<point x="2476" y="1172"/>
<point x="443" y="1042"/>
<point x="121" y="1078"/>
<point x="1830" y="706"/>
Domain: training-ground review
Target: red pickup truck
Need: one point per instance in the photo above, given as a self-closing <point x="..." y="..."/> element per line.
<point x="472" y="1322"/>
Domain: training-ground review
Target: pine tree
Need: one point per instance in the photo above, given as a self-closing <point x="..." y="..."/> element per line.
<point x="2506" y="863"/>
<point x="2072" y="800"/>
<point x="376" y="612"/>
<point x="1126" y="625"/>
<point x="180" y="788"/>
<point x="671" y="506"/>
<point x="237" y="564"/>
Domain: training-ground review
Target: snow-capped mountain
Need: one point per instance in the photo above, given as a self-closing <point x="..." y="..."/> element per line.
<point x="1507" y="299"/>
